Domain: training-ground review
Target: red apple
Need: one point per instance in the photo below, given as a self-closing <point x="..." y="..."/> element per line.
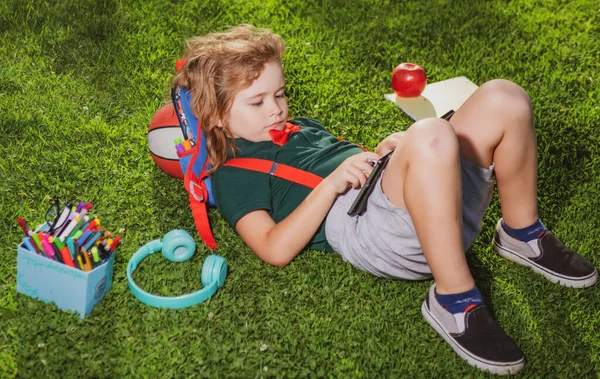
<point x="408" y="80"/>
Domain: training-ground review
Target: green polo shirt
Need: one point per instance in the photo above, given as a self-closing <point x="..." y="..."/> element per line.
<point x="238" y="192"/>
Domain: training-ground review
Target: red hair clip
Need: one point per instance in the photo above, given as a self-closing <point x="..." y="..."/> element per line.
<point x="179" y="64"/>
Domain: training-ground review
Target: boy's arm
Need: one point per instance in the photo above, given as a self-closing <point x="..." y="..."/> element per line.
<point x="279" y="243"/>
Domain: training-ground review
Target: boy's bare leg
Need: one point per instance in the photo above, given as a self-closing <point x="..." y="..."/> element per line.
<point x="496" y="125"/>
<point x="423" y="176"/>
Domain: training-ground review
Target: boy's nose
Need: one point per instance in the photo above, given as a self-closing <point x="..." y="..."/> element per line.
<point x="275" y="109"/>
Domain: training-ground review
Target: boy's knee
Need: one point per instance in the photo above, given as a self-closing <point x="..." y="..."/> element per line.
<point x="507" y="98"/>
<point x="433" y="138"/>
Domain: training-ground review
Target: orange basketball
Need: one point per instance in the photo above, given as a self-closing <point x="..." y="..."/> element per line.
<point x="163" y="130"/>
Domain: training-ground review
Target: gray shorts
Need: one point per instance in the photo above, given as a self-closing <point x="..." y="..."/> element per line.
<point x="383" y="240"/>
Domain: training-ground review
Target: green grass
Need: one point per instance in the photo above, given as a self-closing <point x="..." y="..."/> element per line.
<point x="79" y="82"/>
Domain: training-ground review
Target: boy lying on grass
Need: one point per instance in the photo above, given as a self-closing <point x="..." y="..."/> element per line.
<point x="426" y="208"/>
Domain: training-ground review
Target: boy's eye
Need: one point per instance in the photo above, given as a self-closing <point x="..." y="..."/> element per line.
<point x="280" y="95"/>
<point x="256" y="104"/>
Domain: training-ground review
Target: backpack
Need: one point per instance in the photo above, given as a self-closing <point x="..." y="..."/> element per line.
<point x="195" y="166"/>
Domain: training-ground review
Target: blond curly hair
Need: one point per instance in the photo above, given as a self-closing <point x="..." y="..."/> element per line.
<point x="217" y="66"/>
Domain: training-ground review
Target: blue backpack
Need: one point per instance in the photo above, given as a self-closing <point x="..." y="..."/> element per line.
<point x="195" y="166"/>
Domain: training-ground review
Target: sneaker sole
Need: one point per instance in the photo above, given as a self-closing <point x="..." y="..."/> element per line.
<point x="497" y="368"/>
<point x="566" y="281"/>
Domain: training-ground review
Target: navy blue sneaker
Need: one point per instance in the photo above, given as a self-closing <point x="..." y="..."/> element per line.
<point x="546" y="255"/>
<point x="475" y="336"/>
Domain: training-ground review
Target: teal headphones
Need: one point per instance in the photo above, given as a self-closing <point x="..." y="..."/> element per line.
<point x="178" y="246"/>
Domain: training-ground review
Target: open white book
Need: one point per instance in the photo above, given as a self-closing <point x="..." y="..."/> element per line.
<point x="436" y="99"/>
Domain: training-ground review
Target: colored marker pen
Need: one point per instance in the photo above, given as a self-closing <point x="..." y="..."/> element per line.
<point x="29" y="245"/>
<point x="49" y="250"/>
<point x="95" y="222"/>
<point x="95" y="255"/>
<point x="66" y="225"/>
<point x="84" y="226"/>
<point x="105" y="237"/>
<point x="57" y="253"/>
<point x="37" y="241"/>
<point x="186" y="144"/>
<point x="81" y="240"/>
<point x="77" y="234"/>
<point x="83" y="220"/>
<point x="80" y="207"/>
<point x="114" y="244"/>
<point x="64" y="252"/>
<point x="41" y="236"/>
<point x="91" y="241"/>
<point x="180" y="149"/>
<point x="32" y="242"/>
<point x="109" y="242"/>
<point x="85" y="210"/>
<point x="69" y="228"/>
<point x="71" y="246"/>
<point x="81" y="265"/>
<point x="24" y="226"/>
<point x="77" y="250"/>
<point x="86" y="258"/>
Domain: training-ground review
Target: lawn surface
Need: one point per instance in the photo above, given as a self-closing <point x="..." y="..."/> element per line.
<point x="79" y="83"/>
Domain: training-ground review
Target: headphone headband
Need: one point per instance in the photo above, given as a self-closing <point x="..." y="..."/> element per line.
<point x="178" y="246"/>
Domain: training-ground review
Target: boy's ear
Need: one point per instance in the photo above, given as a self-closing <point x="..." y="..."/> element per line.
<point x="222" y="123"/>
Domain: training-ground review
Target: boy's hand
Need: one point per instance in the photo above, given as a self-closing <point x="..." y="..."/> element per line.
<point x="353" y="172"/>
<point x="389" y="143"/>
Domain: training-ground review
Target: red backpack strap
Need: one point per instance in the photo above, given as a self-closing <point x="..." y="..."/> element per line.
<point x="200" y="214"/>
<point x="280" y="170"/>
<point x="198" y="196"/>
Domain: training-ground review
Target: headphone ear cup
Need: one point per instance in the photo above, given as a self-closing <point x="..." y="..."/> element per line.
<point x="178" y="245"/>
<point x="214" y="270"/>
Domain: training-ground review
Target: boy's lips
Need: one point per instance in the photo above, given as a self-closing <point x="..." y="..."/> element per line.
<point x="276" y="125"/>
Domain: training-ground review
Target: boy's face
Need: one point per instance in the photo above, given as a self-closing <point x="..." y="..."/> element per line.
<point x="260" y="107"/>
